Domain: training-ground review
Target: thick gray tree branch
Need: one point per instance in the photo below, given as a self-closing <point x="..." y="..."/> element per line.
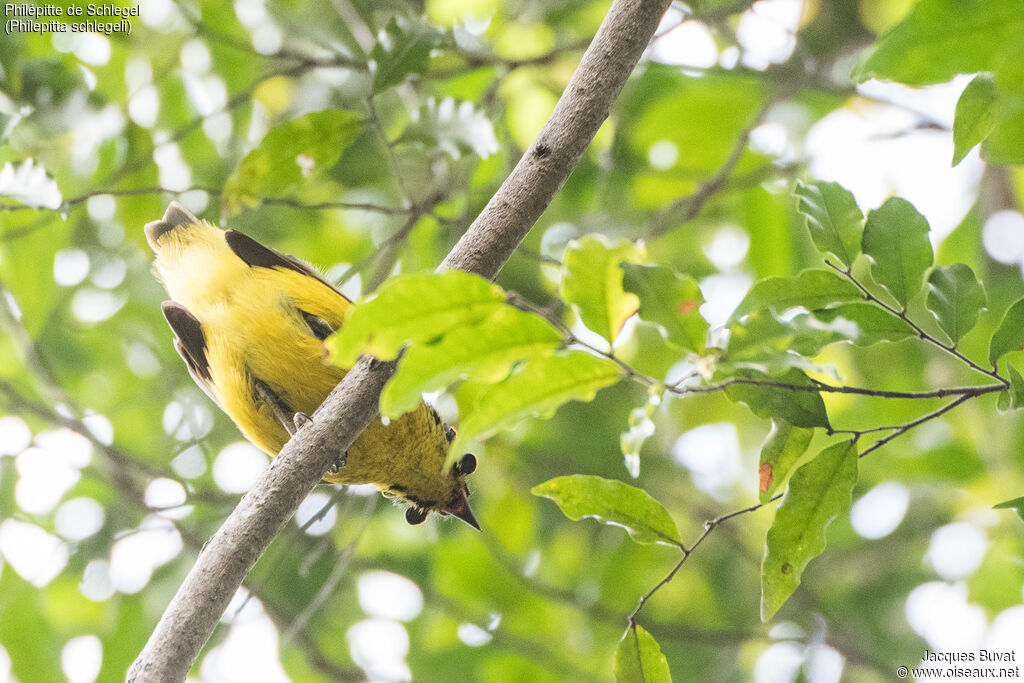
<point x="220" y="568"/>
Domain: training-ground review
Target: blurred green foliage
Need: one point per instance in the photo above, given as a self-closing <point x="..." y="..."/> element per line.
<point x="365" y="136"/>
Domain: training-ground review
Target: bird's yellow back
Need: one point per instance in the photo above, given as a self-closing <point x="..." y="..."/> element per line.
<point x="243" y="314"/>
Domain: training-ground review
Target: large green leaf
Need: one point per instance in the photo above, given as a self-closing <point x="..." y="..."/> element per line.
<point x="781" y="450"/>
<point x="975" y="115"/>
<point x="762" y="334"/>
<point x="942" y="38"/>
<point x="593" y="283"/>
<point x="956" y="298"/>
<point x="413" y="308"/>
<point x="538" y="389"/>
<point x="402" y="48"/>
<point x="1012" y="398"/>
<point x="870" y="324"/>
<point x="612" y="502"/>
<point x="485" y="351"/>
<point x="670" y="300"/>
<point x="896" y="240"/>
<point x="1009" y="336"/>
<point x="1005" y="144"/>
<point x="797" y="406"/>
<point x="638" y="659"/>
<point x="833" y="219"/>
<point x="290" y="154"/>
<point x="819" y="492"/>
<point x="810" y="290"/>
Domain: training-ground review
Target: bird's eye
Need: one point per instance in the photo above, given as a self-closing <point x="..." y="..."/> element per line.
<point x="415" y="515"/>
<point x="467" y="465"/>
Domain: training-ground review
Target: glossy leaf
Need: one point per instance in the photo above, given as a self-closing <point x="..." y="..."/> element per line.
<point x="1012" y="398"/>
<point x="939" y="39"/>
<point x="538" y="389"/>
<point x="868" y="323"/>
<point x="896" y="241"/>
<point x="810" y="290"/>
<point x="762" y="333"/>
<point x="799" y="407"/>
<point x="290" y="154"/>
<point x="833" y="219"/>
<point x="819" y="492"/>
<point x="782" y="448"/>
<point x="956" y="298"/>
<point x="612" y="502"/>
<point x="1005" y="143"/>
<point x="402" y="48"/>
<point x="413" y="308"/>
<point x="671" y="300"/>
<point x="485" y="351"/>
<point x="592" y="283"/>
<point x="975" y="115"/>
<point x="1009" y="336"/>
<point x="638" y="659"/>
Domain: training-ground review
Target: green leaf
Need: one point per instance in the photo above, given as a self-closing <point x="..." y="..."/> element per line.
<point x="975" y="115"/>
<point x="819" y="492"/>
<point x="1012" y="504"/>
<point x="956" y="298"/>
<point x="780" y="451"/>
<point x="870" y="324"/>
<point x="638" y="659"/>
<point x="539" y="388"/>
<point x="485" y="351"/>
<point x="762" y="334"/>
<point x="670" y="300"/>
<point x="1005" y="144"/>
<point x="290" y="154"/>
<point x="402" y="48"/>
<point x="1012" y="398"/>
<point x="612" y="502"/>
<point x="833" y="219"/>
<point x="810" y="290"/>
<point x="766" y="399"/>
<point x="592" y="282"/>
<point x="413" y="308"/>
<point x="1009" y="336"/>
<point x="942" y="38"/>
<point x="896" y="240"/>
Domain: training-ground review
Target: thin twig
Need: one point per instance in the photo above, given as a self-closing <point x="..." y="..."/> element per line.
<point x="921" y="333"/>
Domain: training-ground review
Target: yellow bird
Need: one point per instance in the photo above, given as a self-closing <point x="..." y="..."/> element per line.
<point x="250" y="323"/>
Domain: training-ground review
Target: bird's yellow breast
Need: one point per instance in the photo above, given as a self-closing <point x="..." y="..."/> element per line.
<point x="253" y="329"/>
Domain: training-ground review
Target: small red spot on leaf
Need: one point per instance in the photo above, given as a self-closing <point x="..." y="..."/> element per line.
<point x="687" y="307"/>
<point x="765" y="476"/>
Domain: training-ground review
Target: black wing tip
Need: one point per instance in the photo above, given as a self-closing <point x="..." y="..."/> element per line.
<point x="176" y="216"/>
<point x="190" y="338"/>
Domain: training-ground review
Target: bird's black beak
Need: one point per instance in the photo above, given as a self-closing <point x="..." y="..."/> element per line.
<point x="461" y="510"/>
<point x="176" y="216"/>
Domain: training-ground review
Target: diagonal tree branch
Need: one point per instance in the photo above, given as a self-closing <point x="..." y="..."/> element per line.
<point x="490" y="240"/>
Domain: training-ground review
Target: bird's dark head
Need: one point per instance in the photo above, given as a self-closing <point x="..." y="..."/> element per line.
<point x="457" y="502"/>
